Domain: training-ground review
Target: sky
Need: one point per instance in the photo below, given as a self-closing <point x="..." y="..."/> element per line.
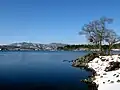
<point x="48" y="21"/>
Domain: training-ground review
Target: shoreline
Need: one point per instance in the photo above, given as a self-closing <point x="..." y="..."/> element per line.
<point x="106" y="74"/>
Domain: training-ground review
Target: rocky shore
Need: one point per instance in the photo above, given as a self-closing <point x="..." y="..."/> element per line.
<point x="106" y="71"/>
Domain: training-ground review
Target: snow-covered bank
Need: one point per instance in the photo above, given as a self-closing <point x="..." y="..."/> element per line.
<point x="106" y="80"/>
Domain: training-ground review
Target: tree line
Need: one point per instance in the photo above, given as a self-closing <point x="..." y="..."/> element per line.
<point x="87" y="46"/>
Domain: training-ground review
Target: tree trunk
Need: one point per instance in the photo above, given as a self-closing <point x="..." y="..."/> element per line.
<point x="100" y="47"/>
<point x="109" y="49"/>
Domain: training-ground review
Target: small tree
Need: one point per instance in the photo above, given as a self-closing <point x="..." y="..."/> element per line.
<point x="111" y="38"/>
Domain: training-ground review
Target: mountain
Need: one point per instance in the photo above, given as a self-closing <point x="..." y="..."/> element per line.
<point x="37" y="46"/>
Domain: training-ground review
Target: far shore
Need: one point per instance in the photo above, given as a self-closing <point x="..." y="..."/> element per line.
<point x="53" y="50"/>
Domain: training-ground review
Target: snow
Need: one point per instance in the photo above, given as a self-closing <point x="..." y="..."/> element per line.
<point x="106" y="80"/>
<point x="109" y="87"/>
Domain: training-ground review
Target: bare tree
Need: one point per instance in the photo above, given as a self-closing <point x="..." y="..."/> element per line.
<point x="95" y="31"/>
<point x="111" y="38"/>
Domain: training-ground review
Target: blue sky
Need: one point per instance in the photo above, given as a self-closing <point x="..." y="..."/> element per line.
<point x="46" y="21"/>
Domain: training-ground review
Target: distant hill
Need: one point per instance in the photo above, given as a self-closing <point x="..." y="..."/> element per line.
<point x="51" y="46"/>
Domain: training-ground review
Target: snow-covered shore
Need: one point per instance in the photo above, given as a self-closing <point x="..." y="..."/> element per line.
<point x="106" y="80"/>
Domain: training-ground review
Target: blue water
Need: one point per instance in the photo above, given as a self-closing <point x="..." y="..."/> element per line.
<point x="43" y="70"/>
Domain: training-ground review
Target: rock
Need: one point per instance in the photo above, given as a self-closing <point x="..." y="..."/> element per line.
<point x="112" y="82"/>
<point x="91" y="85"/>
<point x="113" y="66"/>
<point x="68" y="61"/>
<point x="118" y="81"/>
<point x="117" y="76"/>
<point x="83" y="61"/>
<point x="103" y="59"/>
<point x="104" y="73"/>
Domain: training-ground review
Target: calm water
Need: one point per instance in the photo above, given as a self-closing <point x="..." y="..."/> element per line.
<point x="40" y="71"/>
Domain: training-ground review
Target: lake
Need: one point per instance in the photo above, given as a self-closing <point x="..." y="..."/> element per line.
<point x="40" y="70"/>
